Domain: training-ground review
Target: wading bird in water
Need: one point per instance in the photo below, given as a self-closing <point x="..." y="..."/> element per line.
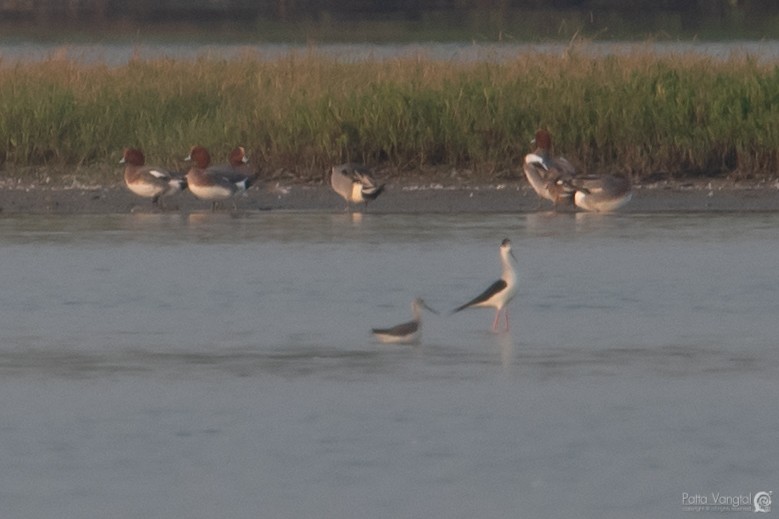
<point x="406" y="333"/>
<point x="500" y="293"/>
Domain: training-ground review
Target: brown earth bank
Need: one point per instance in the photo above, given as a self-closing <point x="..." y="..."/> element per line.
<point x="509" y="197"/>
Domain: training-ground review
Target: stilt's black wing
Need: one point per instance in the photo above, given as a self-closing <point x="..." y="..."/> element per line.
<point x="484" y="296"/>
<point x="399" y="330"/>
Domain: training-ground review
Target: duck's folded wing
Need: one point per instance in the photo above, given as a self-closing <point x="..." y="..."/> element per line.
<point x="155" y="174"/>
<point x="563" y="168"/>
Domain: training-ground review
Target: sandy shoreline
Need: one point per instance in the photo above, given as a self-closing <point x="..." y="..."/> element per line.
<point x="509" y="197"/>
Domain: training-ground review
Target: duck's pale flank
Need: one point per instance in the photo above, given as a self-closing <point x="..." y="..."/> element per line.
<point x="602" y="193"/>
<point x="149" y="181"/>
<point x="547" y="175"/>
<point x="210" y="184"/>
<point x="354" y="183"/>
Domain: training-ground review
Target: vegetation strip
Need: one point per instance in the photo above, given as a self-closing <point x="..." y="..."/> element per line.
<point x="638" y="114"/>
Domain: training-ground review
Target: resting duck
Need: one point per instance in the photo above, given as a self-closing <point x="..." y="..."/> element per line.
<point x="149" y="181"/>
<point x="214" y="184"/>
<point x="602" y="194"/>
<point x="354" y="183"/>
<point x="237" y="166"/>
<point x="548" y="175"/>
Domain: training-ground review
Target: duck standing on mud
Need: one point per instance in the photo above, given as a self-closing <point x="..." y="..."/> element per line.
<point x="149" y="181"/>
<point x="354" y="184"/>
<point x="601" y="193"/>
<point x="549" y="176"/>
<point x="214" y="183"/>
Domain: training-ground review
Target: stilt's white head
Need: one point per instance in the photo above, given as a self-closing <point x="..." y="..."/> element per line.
<point x="505" y="250"/>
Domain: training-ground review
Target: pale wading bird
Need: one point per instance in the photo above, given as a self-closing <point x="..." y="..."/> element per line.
<point x="214" y="184"/>
<point x="354" y="184"/>
<point x="406" y="333"/>
<point x="501" y="292"/>
<point x="602" y="194"/>
<point x="149" y="181"/>
<point x="549" y="176"/>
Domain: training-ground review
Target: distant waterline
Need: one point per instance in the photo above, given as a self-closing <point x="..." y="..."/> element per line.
<point x="121" y="53"/>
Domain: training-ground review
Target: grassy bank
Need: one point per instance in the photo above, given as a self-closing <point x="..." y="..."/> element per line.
<point x="642" y="114"/>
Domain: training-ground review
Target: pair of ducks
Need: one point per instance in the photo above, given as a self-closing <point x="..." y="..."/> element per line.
<point x="555" y="179"/>
<point x="498" y="295"/>
<point x="206" y="182"/>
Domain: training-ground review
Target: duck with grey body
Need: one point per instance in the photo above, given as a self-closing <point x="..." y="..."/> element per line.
<point x="214" y="184"/>
<point x="354" y="183"/>
<point x="601" y="193"/>
<point x="548" y="175"/>
<point x="237" y="168"/>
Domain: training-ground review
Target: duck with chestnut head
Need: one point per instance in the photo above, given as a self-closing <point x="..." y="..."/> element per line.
<point x="548" y="175"/>
<point x="149" y="181"/>
<point x="214" y="184"/>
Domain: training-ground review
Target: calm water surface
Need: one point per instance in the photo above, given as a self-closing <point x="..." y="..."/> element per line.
<point x="121" y="53"/>
<point x="200" y="366"/>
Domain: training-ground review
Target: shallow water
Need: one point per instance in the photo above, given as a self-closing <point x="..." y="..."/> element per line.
<point x="121" y="53"/>
<point x="208" y="365"/>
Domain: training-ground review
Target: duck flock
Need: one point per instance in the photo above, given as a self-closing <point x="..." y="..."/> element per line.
<point x="555" y="179"/>
<point x="552" y="178"/>
<point x="206" y="182"/>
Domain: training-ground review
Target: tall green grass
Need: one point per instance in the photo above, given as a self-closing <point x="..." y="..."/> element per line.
<point x="638" y="113"/>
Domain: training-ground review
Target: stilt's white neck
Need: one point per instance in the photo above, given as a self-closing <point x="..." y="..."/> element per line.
<point x="507" y="261"/>
<point x="416" y="311"/>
